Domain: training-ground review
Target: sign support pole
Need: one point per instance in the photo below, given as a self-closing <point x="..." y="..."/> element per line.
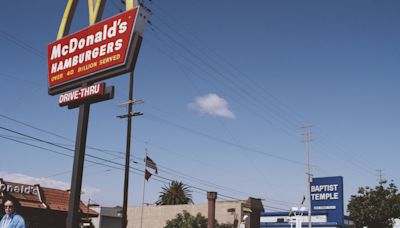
<point x="73" y="217"/>
<point x="96" y="8"/>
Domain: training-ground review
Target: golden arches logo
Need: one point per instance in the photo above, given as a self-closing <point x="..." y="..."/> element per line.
<point x="96" y="8"/>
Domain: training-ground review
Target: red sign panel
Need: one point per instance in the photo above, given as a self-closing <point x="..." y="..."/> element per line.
<point x="92" y="52"/>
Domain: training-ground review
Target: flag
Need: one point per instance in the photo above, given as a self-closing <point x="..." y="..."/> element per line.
<point x="290" y="212"/>
<point x="151" y="164"/>
<point x="303" y="199"/>
<point x="147" y="175"/>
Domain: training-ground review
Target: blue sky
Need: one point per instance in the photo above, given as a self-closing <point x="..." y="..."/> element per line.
<point x="227" y="86"/>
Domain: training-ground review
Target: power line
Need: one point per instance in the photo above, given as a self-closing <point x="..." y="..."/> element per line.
<point x="103" y="164"/>
<point x="113" y="167"/>
<point x="22" y="45"/>
<point x="219" y="57"/>
<point x="40" y="54"/>
<point x="91" y="147"/>
<point x="350" y="159"/>
<point x="233" y="84"/>
<point x="30" y="48"/>
<point x="184" y="128"/>
<point x="92" y="156"/>
<point x="197" y="160"/>
<point x="161" y="120"/>
<point x="163" y="168"/>
<point x="255" y="87"/>
<point x="54" y="144"/>
<point x="7" y="76"/>
<point x="233" y="69"/>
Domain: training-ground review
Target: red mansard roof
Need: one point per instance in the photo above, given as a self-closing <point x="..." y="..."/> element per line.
<point x="42" y="198"/>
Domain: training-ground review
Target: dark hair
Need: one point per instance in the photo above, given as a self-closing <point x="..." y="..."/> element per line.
<point x="14" y="202"/>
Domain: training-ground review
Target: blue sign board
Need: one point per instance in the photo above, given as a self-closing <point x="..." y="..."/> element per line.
<point x="327" y="195"/>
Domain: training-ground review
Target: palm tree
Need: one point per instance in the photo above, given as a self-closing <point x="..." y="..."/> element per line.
<point x="175" y="193"/>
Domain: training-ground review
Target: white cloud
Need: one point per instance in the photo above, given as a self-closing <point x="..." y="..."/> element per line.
<point x="90" y="191"/>
<point x="25" y="179"/>
<point x="213" y="105"/>
<point x="44" y="182"/>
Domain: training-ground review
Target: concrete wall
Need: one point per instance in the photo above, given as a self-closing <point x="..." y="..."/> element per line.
<point x="96" y="221"/>
<point x="157" y="216"/>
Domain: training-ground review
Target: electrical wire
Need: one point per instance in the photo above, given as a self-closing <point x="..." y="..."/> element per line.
<point x="105" y="161"/>
<point x="93" y="148"/>
<point x="354" y="161"/>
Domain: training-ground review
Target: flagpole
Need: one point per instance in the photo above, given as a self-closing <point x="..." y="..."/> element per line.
<point x="144" y="184"/>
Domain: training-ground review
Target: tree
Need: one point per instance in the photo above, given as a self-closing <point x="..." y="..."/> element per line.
<point x="375" y="207"/>
<point x="186" y="220"/>
<point x="175" y="193"/>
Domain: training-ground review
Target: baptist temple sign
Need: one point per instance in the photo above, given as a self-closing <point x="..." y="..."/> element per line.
<point x="327" y="195"/>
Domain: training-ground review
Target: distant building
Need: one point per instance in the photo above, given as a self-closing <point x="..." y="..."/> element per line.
<point x="109" y="217"/>
<point x="327" y="206"/>
<point x="283" y="220"/>
<point x="40" y="206"/>
<point x="231" y="212"/>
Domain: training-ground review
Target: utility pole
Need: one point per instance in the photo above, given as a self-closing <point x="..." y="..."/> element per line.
<point x="129" y="116"/>
<point x="127" y="155"/>
<point x="307" y="139"/>
<point x="129" y="4"/>
<point x="380" y="175"/>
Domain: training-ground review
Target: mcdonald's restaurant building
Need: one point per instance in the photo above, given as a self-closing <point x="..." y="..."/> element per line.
<point x="41" y="207"/>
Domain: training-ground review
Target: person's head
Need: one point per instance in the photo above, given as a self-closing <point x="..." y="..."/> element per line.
<point x="9" y="207"/>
